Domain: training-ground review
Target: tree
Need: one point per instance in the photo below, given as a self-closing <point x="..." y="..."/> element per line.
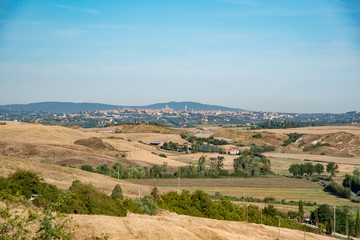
<point x="103" y="169"/>
<point x="295" y="169"/>
<point x="319" y="168"/>
<point x="219" y="164"/>
<point x="117" y="192"/>
<point x="308" y="168"/>
<point x="201" y="165"/>
<point x="155" y="194"/>
<point x="357" y="224"/>
<point x="301" y="211"/>
<point x="331" y="168"/>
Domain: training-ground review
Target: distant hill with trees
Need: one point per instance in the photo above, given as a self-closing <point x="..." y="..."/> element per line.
<point x="70" y="107"/>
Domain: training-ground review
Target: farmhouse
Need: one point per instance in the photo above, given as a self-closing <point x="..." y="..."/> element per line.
<point x="232" y="152"/>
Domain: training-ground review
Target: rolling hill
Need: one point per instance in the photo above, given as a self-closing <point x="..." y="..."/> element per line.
<point x="70" y="107"/>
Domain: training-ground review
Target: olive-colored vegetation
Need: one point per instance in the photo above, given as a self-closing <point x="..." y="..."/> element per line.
<point x="94" y="142"/>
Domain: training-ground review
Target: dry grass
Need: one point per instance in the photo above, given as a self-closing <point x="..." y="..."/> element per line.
<point x="134" y="129"/>
<point x="63" y="177"/>
<point x="316" y="130"/>
<point x="40" y="134"/>
<point x="171" y="226"/>
<point x="38" y="143"/>
<point x="152" y="137"/>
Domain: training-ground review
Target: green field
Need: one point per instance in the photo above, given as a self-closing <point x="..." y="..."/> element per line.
<point x="279" y="188"/>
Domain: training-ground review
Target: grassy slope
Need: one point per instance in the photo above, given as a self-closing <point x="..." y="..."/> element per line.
<point x="171" y="226"/>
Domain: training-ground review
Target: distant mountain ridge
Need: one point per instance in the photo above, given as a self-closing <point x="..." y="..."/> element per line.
<point x="70" y="107"/>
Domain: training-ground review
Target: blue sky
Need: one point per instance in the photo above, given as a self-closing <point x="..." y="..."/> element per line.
<point x="279" y="55"/>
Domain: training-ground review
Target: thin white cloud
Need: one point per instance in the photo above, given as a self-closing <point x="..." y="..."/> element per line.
<point x="71" y="8"/>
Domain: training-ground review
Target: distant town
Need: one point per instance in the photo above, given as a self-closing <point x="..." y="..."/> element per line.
<point x="181" y="118"/>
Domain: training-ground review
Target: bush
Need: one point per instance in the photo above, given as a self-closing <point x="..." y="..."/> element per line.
<point x="292" y="138"/>
<point x="338" y="190"/>
<point x="86" y="199"/>
<point x="162" y="155"/>
<point x="87" y="168"/>
<point x="147" y="205"/>
<point x="257" y="136"/>
<point x="25" y="183"/>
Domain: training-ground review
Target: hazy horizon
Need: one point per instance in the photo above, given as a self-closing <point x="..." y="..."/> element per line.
<point x="278" y="56"/>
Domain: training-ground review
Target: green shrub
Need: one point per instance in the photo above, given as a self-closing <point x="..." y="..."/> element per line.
<point x="86" y="199"/>
<point x="24" y="183"/>
<point x="162" y="155"/>
<point x="292" y="138"/>
<point x="117" y="192"/>
<point x="147" y="205"/>
<point x="88" y="168"/>
<point x="257" y="136"/>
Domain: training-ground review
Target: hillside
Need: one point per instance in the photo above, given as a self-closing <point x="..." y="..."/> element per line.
<point x="39" y="143"/>
<point x="331" y="141"/>
<point x="170" y="226"/>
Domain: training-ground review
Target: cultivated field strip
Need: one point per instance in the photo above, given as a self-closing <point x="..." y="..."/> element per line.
<point x="229" y="182"/>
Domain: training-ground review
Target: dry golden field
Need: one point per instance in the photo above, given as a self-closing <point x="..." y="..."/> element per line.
<point x="39" y="143"/>
<point x="316" y="130"/>
<point x="170" y="226"/>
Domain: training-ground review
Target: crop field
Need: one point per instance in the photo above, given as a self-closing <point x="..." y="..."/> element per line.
<point x="279" y="188"/>
<point x="228" y="182"/>
<point x="321" y="158"/>
<point x="316" y="130"/>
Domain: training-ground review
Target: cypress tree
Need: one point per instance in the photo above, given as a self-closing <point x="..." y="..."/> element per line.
<point x="117" y="192"/>
<point x="301" y="211"/>
<point x="357" y="224"/>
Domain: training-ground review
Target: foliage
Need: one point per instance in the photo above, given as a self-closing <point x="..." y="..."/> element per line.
<point x="251" y="165"/>
<point x="319" y="168"/>
<point x="352" y="182"/>
<point x="345" y="223"/>
<point x="331" y="168"/>
<point x="357" y="224"/>
<point x="86" y="199"/>
<point x="23" y="182"/>
<point x="147" y="205"/>
<point x="93" y="142"/>
<point x="117" y="192"/>
<point x="338" y="190"/>
<point x="155" y="194"/>
<point x="301" y="211"/>
<point x="261" y="149"/>
<point x="32" y="225"/>
<point x="301" y="169"/>
<point x="257" y="136"/>
<point x="162" y="155"/>
<point x="292" y="138"/>
<point x="317" y="145"/>
<point x="200" y="204"/>
<point x="88" y="168"/>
